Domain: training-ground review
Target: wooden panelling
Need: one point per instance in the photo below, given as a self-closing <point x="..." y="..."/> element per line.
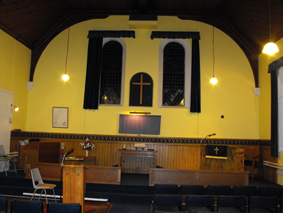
<point x="198" y="177"/>
<point x="169" y="155"/>
<point x="266" y="172"/>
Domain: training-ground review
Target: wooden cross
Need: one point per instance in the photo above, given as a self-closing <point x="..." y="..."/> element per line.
<point x="216" y="149"/>
<point x="141" y="83"/>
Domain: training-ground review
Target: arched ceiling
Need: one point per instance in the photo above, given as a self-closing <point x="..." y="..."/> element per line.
<point x="35" y="23"/>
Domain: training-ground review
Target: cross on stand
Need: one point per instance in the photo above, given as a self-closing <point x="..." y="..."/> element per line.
<point x="141" y="83"/>
<point x="216" y="149"/>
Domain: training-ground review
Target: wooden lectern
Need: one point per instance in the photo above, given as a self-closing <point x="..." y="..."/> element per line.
<point x="74" y="184"/>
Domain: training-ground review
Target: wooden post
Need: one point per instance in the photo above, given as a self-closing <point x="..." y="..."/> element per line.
<point x="74" y="184"/>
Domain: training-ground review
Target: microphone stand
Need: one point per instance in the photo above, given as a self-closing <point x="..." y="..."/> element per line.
<point x="201" y="143"/>
<point x="61" y="181"/>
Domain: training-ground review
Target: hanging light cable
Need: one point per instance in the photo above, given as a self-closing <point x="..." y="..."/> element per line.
<point x="270" y="48"/>
<point x="65" y="77"/>
<point x="213" y="80"/>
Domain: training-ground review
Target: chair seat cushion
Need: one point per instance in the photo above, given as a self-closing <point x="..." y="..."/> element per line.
<point x="45" y="186"/>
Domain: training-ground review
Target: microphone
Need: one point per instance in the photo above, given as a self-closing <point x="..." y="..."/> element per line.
<point x="207" y="136"/>
<point x="69" y="152"/>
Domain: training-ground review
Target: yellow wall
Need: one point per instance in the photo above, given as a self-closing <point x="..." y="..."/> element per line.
<point x="232" y="97"/>
<point x="14" y="75"/>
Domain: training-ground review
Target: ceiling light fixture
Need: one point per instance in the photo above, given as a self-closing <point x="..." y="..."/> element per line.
<point x="65" y="77"/>
<point x="270" y="48"/>
<point x="213" y="80"/>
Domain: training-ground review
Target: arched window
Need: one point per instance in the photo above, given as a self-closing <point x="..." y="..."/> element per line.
<point x="111" y="72"/>
<point x="174" y="73"/>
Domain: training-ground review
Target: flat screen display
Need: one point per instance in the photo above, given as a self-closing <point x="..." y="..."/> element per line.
<point x="140" y="124"/>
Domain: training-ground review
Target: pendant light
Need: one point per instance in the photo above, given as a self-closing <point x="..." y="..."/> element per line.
<point x="213" y="80"/>
<point x="270" y="48"/>
<point x="65" y="77"/>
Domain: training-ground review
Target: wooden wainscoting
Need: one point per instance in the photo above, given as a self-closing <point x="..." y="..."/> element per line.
<point x="185" y="156"/>
<point x="170" y="156"/>
<point x="267" y="173"/>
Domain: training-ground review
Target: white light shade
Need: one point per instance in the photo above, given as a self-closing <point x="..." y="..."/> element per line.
<point x="213" y="80"/>
<point x="65" y="77"/>
<point x="270" y="48"/>
<point x="16" y="109"/>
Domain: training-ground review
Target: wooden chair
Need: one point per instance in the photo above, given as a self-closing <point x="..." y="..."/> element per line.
<point x="252" y="160"/>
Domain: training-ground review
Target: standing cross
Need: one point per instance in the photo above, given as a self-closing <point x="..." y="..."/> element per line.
<point x="141" y="83"/>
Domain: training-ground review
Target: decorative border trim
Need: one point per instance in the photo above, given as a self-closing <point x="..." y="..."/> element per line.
<point x="137" y="139"/>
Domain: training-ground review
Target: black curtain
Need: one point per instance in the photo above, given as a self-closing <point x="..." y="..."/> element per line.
<point x="274" y="114"/>
<point x="272" y="69"/>
<point x="175" y="35"/>
<point x="93" y="70"/>
<point x="92" y="81"/>
<point x="195" y="84"/>
<point x="195" y="81"/>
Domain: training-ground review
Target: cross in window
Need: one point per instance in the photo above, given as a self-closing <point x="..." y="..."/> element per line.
<point x="141" y="83"/>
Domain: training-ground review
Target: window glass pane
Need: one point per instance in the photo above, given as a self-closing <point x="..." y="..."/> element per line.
<point x="111" y="73"/>
<point x="173" y="74"/>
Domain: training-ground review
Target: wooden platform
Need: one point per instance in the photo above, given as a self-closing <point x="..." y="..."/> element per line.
<point x="198" y="177"/>
<point x="94" y="174"/>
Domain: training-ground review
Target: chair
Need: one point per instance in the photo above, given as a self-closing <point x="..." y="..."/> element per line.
<point x="247" y="191"/>
<point x="231" y="203"/>
<point x="263" y="204"/>
<point x="192" y="189"/>
<point x="7" y="157"/>
<point x="270" y="191"/>
<point x="24" y="206"/>
<point x="166" y="189"/>
<point x="166" y="202"/>
<point x="39" y="184"/>
<point x="64" y="207"/>
<point x="251" y="160"/>
<point x="199" y="203"/>
<point x="217" y="190"/>
<point x="3" y="205"/>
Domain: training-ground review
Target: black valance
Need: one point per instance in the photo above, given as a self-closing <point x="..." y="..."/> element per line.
<point x="175" y="35"/>
<point x="111" y="34"/>
<point x="275" y="65"/>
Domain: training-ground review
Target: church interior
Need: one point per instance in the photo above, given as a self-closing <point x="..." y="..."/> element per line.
<point x="139" y="101"/>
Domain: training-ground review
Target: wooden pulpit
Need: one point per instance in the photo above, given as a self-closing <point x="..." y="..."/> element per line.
<point x="74" y="184"/>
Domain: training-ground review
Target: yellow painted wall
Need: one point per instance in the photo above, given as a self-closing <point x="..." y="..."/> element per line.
<point x="14" y="75"/>
<point x="232" y="97"/>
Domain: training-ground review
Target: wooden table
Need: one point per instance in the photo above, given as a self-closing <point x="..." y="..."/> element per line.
<point x="136" y="153"/>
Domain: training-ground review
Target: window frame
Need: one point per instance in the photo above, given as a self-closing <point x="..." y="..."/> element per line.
<point x="123" y="44"/>
<point x="188" y="68"/>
